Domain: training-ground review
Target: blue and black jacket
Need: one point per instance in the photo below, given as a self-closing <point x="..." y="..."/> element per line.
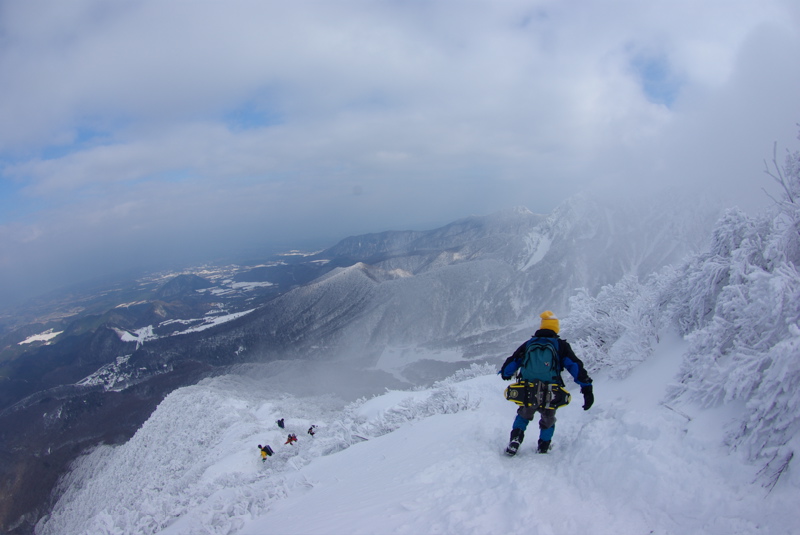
<point x="567" y="360"/>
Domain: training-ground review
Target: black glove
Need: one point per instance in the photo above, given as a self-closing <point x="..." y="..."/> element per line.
<point x="588" y="397"/>
<point x="505" y="377"/>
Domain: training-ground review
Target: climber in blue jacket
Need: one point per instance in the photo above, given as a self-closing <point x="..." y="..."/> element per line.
<point x="548" y="371"/>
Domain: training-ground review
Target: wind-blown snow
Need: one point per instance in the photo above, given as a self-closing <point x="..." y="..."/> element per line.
<point x="427" y="461"/>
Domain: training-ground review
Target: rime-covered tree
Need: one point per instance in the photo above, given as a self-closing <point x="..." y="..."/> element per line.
<point x="738" y="305"/>
<point x="617" y="329"/>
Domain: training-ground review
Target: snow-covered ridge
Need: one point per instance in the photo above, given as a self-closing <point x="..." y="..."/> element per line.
<point x="451" y="295"/>
<point x="462" y="286"/>
<point x="199" y="448"/>
<point x="420" y="462"/>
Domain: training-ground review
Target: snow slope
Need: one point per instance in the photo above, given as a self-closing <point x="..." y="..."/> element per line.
<point x="427" y="461"/>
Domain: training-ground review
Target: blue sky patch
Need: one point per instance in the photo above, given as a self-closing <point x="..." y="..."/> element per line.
<point x="14" y="205"/>
<point x="250" y="117"/>
<point x="658" y="81"/>
<point x="84" y="138"/>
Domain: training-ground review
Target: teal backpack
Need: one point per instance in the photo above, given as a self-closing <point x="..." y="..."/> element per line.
<point x="541" y="362"/>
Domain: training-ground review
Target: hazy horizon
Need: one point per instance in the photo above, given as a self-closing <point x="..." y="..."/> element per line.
<point x="144" y="132"/>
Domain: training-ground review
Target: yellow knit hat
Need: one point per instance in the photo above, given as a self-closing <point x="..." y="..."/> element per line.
<point x="549" y="321"/>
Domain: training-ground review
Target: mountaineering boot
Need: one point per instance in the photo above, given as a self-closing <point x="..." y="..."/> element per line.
<point x="544" y="445"/>
<point x="516" y="439"/>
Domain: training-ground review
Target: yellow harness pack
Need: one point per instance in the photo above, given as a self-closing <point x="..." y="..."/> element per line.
<point x="538" y="394"/>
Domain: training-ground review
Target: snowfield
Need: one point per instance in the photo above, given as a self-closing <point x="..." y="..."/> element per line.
<point x="427" y="461"/>
<point x="147" y="334"/>
<point x="46" y="336"/>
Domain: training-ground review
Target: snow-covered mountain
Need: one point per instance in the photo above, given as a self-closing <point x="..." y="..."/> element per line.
<point x="401" y="308"/>
<point x="462" y="291"/>
<point x="692" y="337"/>
<point x="693" y="430"/>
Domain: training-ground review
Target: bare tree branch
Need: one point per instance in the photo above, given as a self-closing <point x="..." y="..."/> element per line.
<point x="776" y="475"/>
<point x="778" y="176"/>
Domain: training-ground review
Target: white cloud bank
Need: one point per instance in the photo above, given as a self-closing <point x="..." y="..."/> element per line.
<point x="140" y="130"/>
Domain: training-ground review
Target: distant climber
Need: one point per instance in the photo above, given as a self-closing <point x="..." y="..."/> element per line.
<point x="266" y="451"/>
<point x="538" y="364"/>
<point x="280" y="423"/>
<point x="291" y="439"/>
<point x="311" y="430"/>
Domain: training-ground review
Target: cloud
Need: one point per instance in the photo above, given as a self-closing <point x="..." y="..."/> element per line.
<point x="190" y="127"/>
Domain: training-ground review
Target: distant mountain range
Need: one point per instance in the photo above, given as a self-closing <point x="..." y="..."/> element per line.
<point x="89" y="368"/>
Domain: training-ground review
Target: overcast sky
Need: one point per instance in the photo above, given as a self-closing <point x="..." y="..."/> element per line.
<point x="148" y="130"/>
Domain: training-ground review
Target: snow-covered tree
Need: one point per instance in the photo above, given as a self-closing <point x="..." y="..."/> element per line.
<point x="738" y="305"/>
<point x="744" y="323"/>
<point x="616" y="329"/>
